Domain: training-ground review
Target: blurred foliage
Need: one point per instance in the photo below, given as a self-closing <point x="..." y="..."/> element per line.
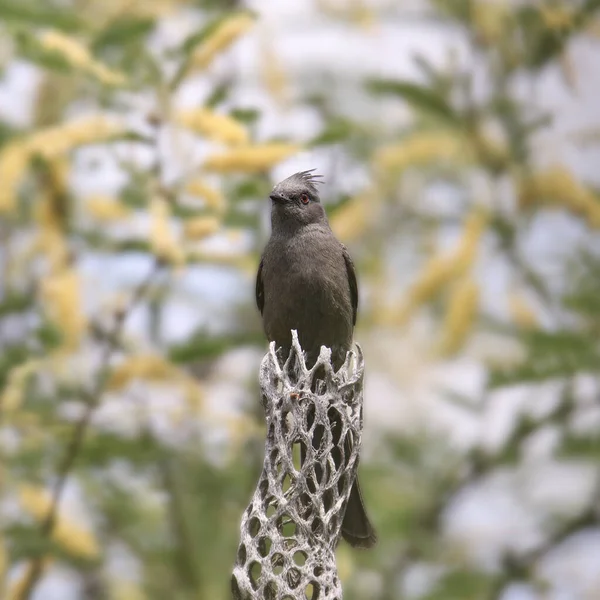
<point x="152" y="490"/>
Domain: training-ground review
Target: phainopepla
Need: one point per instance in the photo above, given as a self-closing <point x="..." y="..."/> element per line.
<point x="306" y="281"/>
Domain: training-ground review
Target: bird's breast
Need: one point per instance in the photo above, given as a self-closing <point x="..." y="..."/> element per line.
<point x="306" y="288"/>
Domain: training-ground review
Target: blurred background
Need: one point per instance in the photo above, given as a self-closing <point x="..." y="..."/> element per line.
<point x="459" y="144"/>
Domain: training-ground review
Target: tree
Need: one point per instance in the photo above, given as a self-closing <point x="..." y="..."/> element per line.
<point x="120" y="193"/>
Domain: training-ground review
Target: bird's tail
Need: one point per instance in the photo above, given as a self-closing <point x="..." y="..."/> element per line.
<point x="356" y="527"/>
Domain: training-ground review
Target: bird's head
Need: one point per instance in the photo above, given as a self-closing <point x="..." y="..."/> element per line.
<point x="296" y="202"/>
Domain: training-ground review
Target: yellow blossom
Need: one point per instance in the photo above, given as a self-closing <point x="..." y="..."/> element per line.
<point x="251" y="159"/>
<point x="460" y="315"/>
<point x="154" y="368"/>
<point x="12" y="396"/>
<point x="106" y="208"/>
<point x="200" y="227"/>
<point x="444" y="268"/>
<point x="150" y="367"/>
<point x="51" y="241"/>
<point x="351" y="219"/>
<point x="14" y="160"/>
<point x="273" y="74"/>
<point x="192" y="392"/>
<point x="61" y="293"/>
<point x="558" y="187"/>
<point x="521" y="312"/>
<point x="221" y="38"/>
<point x="51" y="143"/>
<point x="162" y="238"/>
<point x="79" y="57"/>
<point x="15" y="590"/>
<point x="212" y="197"/>
<point x="126" y="590"/>
<point x="54" y="141"/>
<point x="75" y="539"/>
<point x="213" y="125"/>
<point x="419" y="149"/>
<point x="490" y="20"/>
<point x="475" y="225"/>
<point x="3" y="562"/>
<point x="558" y="18"/>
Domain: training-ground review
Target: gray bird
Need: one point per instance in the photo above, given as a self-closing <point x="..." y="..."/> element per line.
<point x="306" y="281"/>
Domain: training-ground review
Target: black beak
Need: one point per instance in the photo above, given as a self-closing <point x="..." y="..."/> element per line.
<point x="278" y="198"/>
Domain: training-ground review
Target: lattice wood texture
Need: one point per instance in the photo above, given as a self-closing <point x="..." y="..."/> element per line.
<point x="291" y="528"/>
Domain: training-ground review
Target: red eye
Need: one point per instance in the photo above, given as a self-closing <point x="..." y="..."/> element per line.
<point x="304" y="199"/>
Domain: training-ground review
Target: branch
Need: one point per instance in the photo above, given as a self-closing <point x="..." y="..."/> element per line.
<point x="73" y="449"/>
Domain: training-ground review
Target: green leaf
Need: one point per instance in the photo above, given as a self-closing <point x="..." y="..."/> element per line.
<point x="194" y="40"/>
<point x="15" y="302"/>
<point x="10" y="357"/>
<point x="202" y="346"/>
<point x="581" y="447"/>
<point x="551" y="355"/>
<point x="28" y="47"/>
<point x="134" y="193"/>
<point x="37" y="13"/>
<point x="417" y="96"/>
<point x="247" y="116"/>
<point x="218" y="95"/>
<point x="462" y="585"/>
<point x="337" y="130"/>
<point x="103" y="448"/>
<point x="125" y="31"/>
<point x="49" y="335"/>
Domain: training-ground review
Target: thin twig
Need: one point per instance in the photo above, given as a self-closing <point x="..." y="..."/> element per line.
<point x="76" y="442"/>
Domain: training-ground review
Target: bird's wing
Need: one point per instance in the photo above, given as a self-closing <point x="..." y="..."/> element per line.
<point x="260" y="292"/>
<point x="352" y="281"/>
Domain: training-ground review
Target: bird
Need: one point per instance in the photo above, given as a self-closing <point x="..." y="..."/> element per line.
<point x="306" y="281"/>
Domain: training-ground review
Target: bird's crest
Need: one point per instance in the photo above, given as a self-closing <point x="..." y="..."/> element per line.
<point x="301" y="179"/>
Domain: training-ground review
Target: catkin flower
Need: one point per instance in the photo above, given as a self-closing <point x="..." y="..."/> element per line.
<point x="521" y="312"/>
<point x="162" y="238"/>
<point x="51" y="143"/>
<point x="201" y="227"/>
<point x="14" y="160"/>
<point x="250" y="159"/>
<point x="460" y="316"/>
<point x="558" y="18"/>
<point x="12" y="396"/>
<point x="106" y="208"/>
<point x="213" y="125"/>
<point x="352" y="219"/>
<point x="221" y="38"/>
<point x="75" y="539"/>
<point x="466" y="251"/>
<point x="148" y="367"/>
<point x="61" y="293"/>
<point x="213" y="197"/>
<point x="156" y="369"/>
<point x="558" y="187"/>
<point x="126" y="590"/>
<point x="79" y="57"/>
<point x="443" y="269"/>
<point x="3" y="561"/>
<point x="55" y="141"/>
<point x="273" y="74"/>
<point x="16" y="589"/>
<point x="51" y="241"/>
<point x="490" y="20"/>
<point x="420" y="149"/>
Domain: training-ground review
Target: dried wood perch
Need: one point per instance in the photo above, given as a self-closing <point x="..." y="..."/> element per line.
<point x="291" y="528"/>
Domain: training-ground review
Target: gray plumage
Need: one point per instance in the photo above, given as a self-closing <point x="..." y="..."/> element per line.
<point x="306" y="281"/>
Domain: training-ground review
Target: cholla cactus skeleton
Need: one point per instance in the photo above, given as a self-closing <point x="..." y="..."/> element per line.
<point x="293" y="524"/>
